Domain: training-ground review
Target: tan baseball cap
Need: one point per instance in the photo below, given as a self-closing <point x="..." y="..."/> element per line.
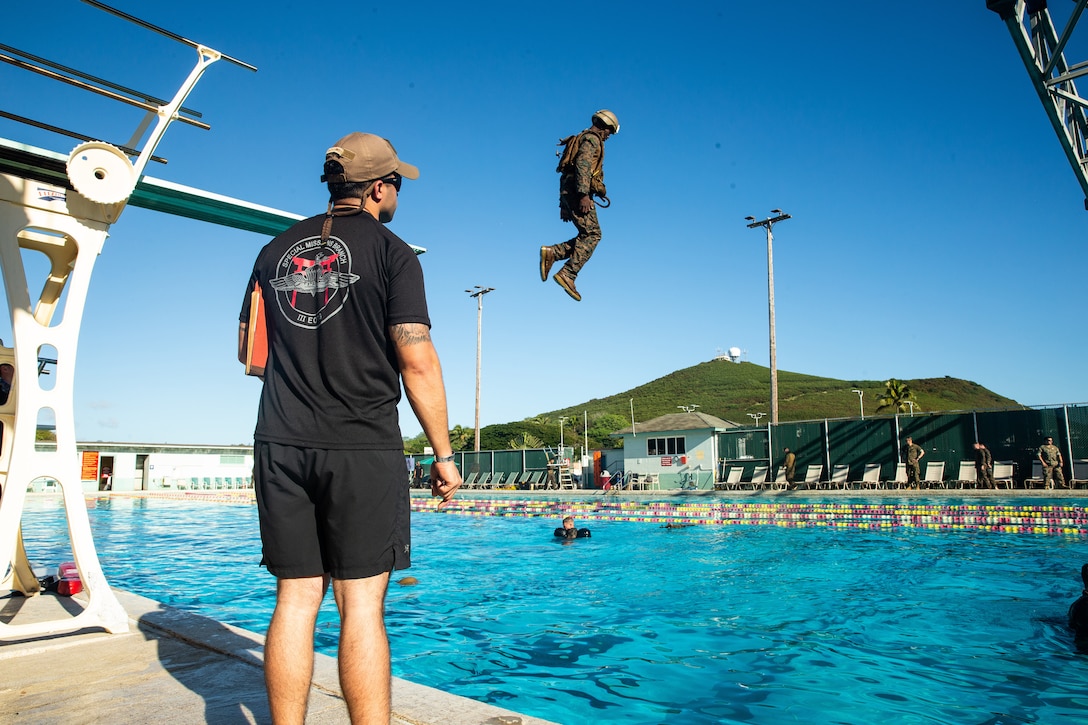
<point x="366" y="157"/>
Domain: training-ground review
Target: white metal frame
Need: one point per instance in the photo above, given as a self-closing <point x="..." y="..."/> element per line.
<point x="70" y="230"/>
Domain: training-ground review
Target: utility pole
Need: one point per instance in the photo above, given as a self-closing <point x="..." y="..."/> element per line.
<point x="767" y="224"/>
<point x="478" y="292"/>
<point x="861" y="401"/>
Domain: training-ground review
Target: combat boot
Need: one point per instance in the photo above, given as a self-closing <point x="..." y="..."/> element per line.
<point x="567" y="282"/>
<point x="547" y="259"/>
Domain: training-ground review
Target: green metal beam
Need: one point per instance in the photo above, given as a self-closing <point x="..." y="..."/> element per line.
<point x="50" y="167"/>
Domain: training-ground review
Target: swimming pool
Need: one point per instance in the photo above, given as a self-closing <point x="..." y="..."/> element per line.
<point x="641" y="624"/>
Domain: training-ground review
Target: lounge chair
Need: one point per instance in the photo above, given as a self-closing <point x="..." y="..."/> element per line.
<point x="470" y="480"/>
<point x="968" y="474"/>
<point x="485" y="480"/>
<point x="532" y="480"/>
<point x="733" y="476"/>
<point x="1003" y="474"/>
<point x="871" y="477"/>
<point x="1080" y="473"/>
<point x="812" y="475"/>
<point x="1036" y="476"/>
<point x="840" y="476"/>
<point x="934" y="477"/>
<point x="759" y="477"/>
<point x="780" y="481"/>
<point x="900" y="479"/>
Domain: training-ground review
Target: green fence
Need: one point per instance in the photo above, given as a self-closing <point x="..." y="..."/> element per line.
<point x="1011" y="435"/>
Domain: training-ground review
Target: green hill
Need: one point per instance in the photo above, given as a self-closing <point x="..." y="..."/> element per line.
<point x="730" y="391"/>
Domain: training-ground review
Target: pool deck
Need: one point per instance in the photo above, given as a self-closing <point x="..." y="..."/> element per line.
<point x="176" y="668"/>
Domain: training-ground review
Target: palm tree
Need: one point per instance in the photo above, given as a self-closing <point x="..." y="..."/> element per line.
<point x="459" y="437"/>
<point x="528" y="440"/>
<point x="896" y="395"/>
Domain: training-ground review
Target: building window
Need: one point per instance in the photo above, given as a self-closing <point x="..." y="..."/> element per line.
<point x="666" y="446"/>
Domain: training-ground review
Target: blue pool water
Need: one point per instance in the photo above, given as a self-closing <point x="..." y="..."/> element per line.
<point x="640" y="624"/>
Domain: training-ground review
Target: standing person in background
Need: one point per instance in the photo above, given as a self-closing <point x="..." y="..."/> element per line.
<point x="912" y="456"/>
<point x="582" y="177"/>
<point x="790" y="464"/>
<point x="1051" y="458"/>
<point x="984" y="466"/>
<point x="346" y="318"/>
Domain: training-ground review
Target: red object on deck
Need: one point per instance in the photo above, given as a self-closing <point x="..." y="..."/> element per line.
<point x="70" y="582"/>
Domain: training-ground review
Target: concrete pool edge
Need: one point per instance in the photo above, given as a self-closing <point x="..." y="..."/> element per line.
<point x="412" y="703"/>
<point x="208" y="645"/>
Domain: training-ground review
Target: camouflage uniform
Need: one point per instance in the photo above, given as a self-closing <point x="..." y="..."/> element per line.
<point x="790" y="464"/>
<point x="1051" y="458"/>
<point x="984" y="466"/>
<point x="912" y="454"/>
<point x="573" y="185"/>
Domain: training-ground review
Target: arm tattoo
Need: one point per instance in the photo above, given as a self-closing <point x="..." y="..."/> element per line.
<point x="410" y="334"/>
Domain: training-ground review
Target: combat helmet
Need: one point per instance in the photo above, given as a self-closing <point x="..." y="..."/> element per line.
<point x="607" y="118"/>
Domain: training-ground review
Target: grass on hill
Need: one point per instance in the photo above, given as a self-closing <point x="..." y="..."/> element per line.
<point x="730" y="391"/>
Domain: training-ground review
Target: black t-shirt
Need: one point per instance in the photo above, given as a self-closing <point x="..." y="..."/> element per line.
<point x="332" y="379"/>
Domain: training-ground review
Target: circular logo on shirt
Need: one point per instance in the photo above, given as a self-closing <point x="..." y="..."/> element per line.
<point x="314" y="281"/>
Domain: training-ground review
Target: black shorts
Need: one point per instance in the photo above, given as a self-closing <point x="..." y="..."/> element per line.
<point x="341" y="512"/>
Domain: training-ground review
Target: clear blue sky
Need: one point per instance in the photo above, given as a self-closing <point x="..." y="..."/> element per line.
<point x="937" y="227"/>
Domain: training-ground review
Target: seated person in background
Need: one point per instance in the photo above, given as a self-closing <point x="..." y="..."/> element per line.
<point x="576" y="472"/>
<point x="568" y="531"/>
<point x="1078" y="614"/>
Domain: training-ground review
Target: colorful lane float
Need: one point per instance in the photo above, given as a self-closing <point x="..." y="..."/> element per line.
<point x="1059" y="520"/>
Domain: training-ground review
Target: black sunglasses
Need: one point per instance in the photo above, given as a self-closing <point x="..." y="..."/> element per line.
<point x="394" y="180"/>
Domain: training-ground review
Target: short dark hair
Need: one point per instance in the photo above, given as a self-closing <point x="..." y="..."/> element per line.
<point x="344" y="189"/>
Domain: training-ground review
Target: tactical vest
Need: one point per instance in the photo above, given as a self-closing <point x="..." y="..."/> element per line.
<point x="571" y="145"/>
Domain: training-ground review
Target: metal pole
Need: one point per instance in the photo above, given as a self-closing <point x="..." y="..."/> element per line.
<point x="1068" y="443"/>
<point x="479" y="345"/>
<point x="767" y="224"/>
<point x="478" y="292"/>
<point x="770" y="317"/>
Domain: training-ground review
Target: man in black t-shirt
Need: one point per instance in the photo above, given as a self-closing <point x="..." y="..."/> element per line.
<point x="345" y="318"/>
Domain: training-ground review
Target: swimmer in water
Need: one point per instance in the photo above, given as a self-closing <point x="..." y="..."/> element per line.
<point x="569" y="531"/>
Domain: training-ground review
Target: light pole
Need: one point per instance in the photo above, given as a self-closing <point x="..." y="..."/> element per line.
<point x="756" y="417"/>
<point x="767" y="224"/>
<point x="911" y="404"/>
<point x="478" y="292"/>
<point x="562" y="419"/>
<point x="861" y="401"/>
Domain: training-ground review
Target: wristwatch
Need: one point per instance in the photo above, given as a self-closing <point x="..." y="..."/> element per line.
<point x="444" y="459"/>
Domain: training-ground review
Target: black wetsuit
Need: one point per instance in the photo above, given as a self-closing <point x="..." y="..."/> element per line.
<point x="1078" y="621"/>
